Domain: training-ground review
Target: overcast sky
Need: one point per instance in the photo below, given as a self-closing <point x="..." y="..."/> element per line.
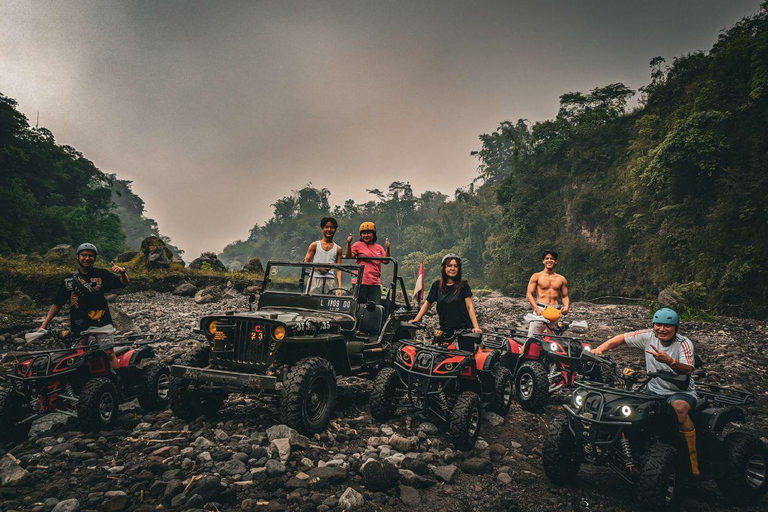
<point x="216" y="109"/>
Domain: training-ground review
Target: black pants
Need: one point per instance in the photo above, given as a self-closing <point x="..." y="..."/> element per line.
<point x="369" y="292"/>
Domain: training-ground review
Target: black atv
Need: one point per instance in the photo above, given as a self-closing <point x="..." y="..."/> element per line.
<point x="79" y="382"/>
<point x="636" y="434"/>
<point x="451" y="379"/>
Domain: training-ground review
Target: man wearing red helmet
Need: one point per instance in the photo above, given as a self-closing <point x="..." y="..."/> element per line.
<point x="370" y="286"/>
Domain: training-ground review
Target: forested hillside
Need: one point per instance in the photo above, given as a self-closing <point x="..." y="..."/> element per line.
<point x="51" y="194"/>
<point x="672" y="194"/>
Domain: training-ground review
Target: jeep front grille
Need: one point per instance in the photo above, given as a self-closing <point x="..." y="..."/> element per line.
<point x="246" y="342"/>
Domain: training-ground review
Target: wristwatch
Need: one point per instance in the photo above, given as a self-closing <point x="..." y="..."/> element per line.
<point x="673" y="364"/>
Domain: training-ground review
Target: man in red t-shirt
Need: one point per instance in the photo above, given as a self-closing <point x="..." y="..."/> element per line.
<point x="370" y="286"/>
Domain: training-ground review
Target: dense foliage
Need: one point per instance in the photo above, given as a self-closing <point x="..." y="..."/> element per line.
<point x="671" y="195"/>
<point x="49" y="193"/>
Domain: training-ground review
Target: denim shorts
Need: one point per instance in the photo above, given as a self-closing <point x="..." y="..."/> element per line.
<point x="684" y="397"/>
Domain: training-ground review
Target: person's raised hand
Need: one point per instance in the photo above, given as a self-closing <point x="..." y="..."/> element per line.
<point x="660" y="356"/>
<point x="116" y="268"/>
<point x="386" y="243"/>
<point x="349" y="238"/>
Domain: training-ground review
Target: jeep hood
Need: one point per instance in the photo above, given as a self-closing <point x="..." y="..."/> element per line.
<point x="294" y="317"/>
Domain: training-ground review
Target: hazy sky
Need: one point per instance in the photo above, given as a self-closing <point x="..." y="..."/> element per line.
<point x="216" y="109"/>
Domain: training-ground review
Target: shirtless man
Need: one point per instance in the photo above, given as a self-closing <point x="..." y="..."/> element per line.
<point x="325" y="251"/>
<point x="550" y="287"/>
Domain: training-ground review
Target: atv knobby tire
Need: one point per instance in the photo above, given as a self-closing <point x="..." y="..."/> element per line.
<point x="156" y="378"/>
<point x="465" y="420"/>
<point x="13" y="410"/>
<point x="743" y="478"/>
<point x="383" y="399"/>
<point x="560" y="455"/>
<point x="659" y="484"/>
<point x="308" y="395"/>
<point x="532" y="386"/>
<point x="504" y="390"/>
<point x="186" y="399"/>
<point x="98" y="405"/>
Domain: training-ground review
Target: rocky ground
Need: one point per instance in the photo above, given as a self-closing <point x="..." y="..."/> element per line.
<point x="244" y="459"/>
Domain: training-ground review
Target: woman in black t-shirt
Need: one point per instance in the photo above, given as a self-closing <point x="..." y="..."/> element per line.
<point x="453" y="295"/>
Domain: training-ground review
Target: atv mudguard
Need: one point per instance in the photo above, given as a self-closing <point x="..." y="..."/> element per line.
<point x="714" y="419"/>
<point x="485" y="358"/>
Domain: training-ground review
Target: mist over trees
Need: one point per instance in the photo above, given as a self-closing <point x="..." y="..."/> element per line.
<point x="670" y="195"/>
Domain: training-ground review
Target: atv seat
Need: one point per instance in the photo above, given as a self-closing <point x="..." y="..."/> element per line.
<point x="369" y="319"/>
<point x="469" y="342"/>
<point x="701" y="403"/>
<point x="122" y="350"/>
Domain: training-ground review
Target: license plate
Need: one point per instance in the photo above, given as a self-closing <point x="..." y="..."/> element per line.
<point x="331" y="304"/>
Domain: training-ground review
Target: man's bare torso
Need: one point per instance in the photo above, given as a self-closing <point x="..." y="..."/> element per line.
<point x="548" y="287"/>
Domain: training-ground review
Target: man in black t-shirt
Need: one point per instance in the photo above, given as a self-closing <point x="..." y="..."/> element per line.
<point x="84" y="292"/>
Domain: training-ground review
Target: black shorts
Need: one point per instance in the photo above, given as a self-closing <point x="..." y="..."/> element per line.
<point x="690" y="400"/>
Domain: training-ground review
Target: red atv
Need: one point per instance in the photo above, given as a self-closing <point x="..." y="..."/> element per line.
<point x="544" y="361"/>
<point x="78" y="381"/>
<point x="451" y="379"/>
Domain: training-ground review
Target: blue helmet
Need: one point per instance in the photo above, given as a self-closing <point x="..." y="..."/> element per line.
<point x="666" y="316"/>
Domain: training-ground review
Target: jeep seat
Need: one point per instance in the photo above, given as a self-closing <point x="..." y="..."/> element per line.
<point x="369" y="322"/>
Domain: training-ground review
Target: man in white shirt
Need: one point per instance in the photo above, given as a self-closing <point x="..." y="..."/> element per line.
<point x="666" y="350"/>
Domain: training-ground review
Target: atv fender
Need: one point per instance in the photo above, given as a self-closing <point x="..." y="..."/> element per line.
<point x="714" y="419"/>
<point x="485" y="358"/>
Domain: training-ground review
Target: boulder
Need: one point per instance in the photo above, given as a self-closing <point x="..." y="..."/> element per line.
<point x="126" y="256"/>
<point x="254" y="266"/>
<point x="18" y="300"/>
<point x="285" y="432"/>
<point x="207" y="261"/>
<point x="156" y="254"/>
<point x="62" y="253"/>
<point x="121" y="320"/>
<point x="208" y="295"/>
<point x="379" y="475"/>
<point x="185" y="290"/>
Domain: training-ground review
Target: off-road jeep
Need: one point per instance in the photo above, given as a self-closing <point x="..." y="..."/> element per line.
<point x="299" y="338"/>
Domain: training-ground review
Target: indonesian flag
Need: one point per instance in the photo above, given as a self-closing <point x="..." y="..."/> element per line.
<point x="418" y="289"/>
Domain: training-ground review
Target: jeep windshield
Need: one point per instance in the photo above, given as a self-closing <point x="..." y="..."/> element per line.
<point x="310" y="279"/>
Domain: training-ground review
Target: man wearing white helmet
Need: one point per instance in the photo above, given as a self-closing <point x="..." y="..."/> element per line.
<point x="84" y="291"/>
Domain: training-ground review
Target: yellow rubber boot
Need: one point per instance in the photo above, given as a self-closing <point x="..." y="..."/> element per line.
<point x="690" y="439"/>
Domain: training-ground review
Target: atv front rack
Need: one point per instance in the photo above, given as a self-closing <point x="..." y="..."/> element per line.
<point x="433" y="350"/>
<point x="724" y="395"/>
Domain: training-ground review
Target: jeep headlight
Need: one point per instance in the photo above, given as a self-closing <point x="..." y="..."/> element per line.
<point x="278" y="332"/>
<point x="212" y="327"/>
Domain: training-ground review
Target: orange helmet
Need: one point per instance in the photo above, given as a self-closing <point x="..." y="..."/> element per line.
<point x="367" y="226"/>
<point x="551" y="314"/>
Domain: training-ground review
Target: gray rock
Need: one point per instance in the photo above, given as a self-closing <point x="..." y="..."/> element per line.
<point x="411" y="479"/>
<point x="62" y="253"/>
<point x="333" y="474"/>
<point x="275" y="468"/>
<point x="403" y="444"/>
<point x="379" y="475"/>
<point x="477" y="466"/>
<point x="13" y="475"/>
<point x="428" y="428"/>
<point x="156" y="254"/>
<point x="18" y="300"/>
<point x="185" y="290"/>
<point x="351" y="500"/>
<point x="285" y="432"/>
<point x="504" y="478"/>
<point x="209" y="487"/>
<point x="254" y="266"/>
<point x="70" y="505"/>
<point x="121" y="320"/>
<point x="231" y="468"/>
<point x="208" y="295"/>
<point x="493" y="419"/>
<point x="409" y="496"/>
<point x="208" y="261"/>
<point x="447" y="474"/>
<point x="283" y="449"/>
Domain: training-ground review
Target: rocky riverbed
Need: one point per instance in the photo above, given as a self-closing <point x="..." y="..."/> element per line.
<point x="243" y="459"/>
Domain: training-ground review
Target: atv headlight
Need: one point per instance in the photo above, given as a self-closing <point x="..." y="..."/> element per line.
<point x="278" y="332"/>
<point x="587" y="348"/>
<point x="405" y="356"/>
<point x="578" y="398"/>
<point x="626" y="410"/>
<point x="212" y="327"/>
<point x="449" y="367"/>
<point x="553" y="347"/>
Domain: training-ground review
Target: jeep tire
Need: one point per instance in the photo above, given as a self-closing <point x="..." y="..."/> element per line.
<point x="308" y="395"/>
<point x="560" y="456"/>
<point x="383" y="399"/>
<point x="185" y="397"/>
<point x="743" y="478"/>
<point x="659" y="484"/>
<point x="156" y="377"/>
<point x="504" y="390"/>
<point x="98" y="405"/>
<point x="532" y="386"/>
<point x="465" y="420"/>
<point x="14" y="409"/>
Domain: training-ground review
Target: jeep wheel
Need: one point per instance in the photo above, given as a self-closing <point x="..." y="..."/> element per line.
<point x="744" y="473"/>
<point x="308" y="395"/>
<point x="532" y="386"/>
<point x="14" y="409"/>
<point x="383" y="399"/>
<point x="465" y="420"/>
<point x="658" y="486"/>
<point x="560" y="455"/>
<point x="504" y="390"/>
<point x="185" y="397"/>
<point x="98" y="405"/>
<point x="156" y="382"/>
